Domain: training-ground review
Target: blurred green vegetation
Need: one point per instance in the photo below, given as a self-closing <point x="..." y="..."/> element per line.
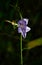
<point x="9" y="37"/>
<point x="34" y="43"/>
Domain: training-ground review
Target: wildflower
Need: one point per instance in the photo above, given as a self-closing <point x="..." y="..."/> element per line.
<point x="23" y="28"/>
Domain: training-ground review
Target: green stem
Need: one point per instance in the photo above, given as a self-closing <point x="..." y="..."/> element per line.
<point x="21" y="43"/>
<point x="20" y="15"/>
<point x="21" y="50"/>
<point x="25" y="49"/>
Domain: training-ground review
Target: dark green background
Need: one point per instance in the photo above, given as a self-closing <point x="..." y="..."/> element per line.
<point x="10" y="38"/>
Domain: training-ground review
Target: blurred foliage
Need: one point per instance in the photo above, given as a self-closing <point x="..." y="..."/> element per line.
<point x="34" y="43"/>
<point x="9" y="37"/>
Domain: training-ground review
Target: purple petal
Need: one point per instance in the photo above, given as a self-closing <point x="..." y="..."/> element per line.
<point x="28" y="29"/>
<point x="26" y="21"/>
<point x="22" y="32"/>
<point x="24" y="36"/>
<point x="22" y="22"/>
<point x="19" y="30"/>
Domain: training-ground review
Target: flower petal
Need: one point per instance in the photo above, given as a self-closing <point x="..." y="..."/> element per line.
<point x="28" y="29"/>
<point x="22" y="33"/>
<point x="26" y="21"/>
<point x="22" y="22"/>
<point x="19" y="30"/>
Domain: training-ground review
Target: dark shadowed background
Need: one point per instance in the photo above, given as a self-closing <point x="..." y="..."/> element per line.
<point x="10" y="38"/>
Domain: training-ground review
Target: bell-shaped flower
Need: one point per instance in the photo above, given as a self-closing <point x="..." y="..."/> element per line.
<point x="23" y="28"/>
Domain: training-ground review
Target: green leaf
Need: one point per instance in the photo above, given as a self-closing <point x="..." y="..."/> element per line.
<point x="34" y="43"/>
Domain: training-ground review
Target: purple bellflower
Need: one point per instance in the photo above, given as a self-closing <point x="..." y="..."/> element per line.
<point x="23" y="28"/>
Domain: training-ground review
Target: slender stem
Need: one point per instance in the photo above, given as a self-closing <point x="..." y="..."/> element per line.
<point x="21" y="43"/>
<point x="21" y="50"/>
<point x="20" y="15"/>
